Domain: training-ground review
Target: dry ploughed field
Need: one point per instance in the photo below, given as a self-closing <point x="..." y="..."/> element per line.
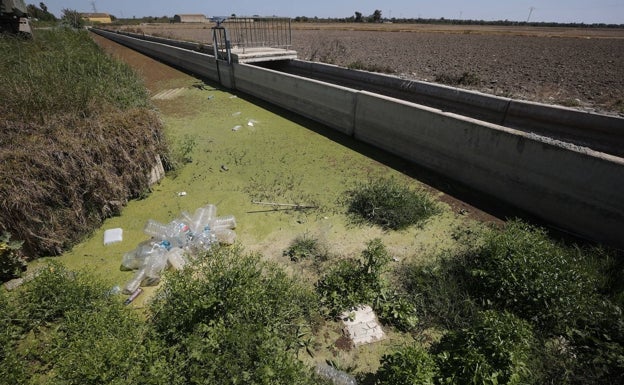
<point x="574" y="67"/>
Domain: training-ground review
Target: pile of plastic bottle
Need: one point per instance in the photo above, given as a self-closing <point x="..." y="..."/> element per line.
<point x="171" y="244"/>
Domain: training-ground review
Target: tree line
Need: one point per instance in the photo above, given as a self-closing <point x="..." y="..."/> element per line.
<point x="376" y="17"/>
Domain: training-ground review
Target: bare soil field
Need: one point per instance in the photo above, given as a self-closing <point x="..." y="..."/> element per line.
<point x="574" y="67"/>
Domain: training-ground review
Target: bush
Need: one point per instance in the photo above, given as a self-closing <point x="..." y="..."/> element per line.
<point x="305" y="247"/>
<point x="64" y="327"/>
<point x="234" y="319"/>
<point x="354" y="282"/>
<point x="497" y="349"/>
<point x="56" y="292"/>
<point x="440" y="292"/>
<point x="522" y="270"/>
<point x="99" y="346"/>
<point x="386" y="203"/>
<point x="12" y="368"/>
<point x="12" y="263"/>
<point x="411" y="365"/>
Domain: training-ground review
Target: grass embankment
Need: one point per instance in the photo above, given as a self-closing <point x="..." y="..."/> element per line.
<point x="78" y="138"/>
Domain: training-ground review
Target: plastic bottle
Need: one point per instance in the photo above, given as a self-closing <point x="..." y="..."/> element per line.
<point x="225" y="236"/>
<point x="135" y="282"/>
<point x="134" y="259"/>
<point x="225" y="222"/>
<point x="203" y="241"/>
<point x="337" y="377"/>
<point x="176" y="258"/>
<point x="156" y="229"/>
<point x="179" y="233"/>
<point x="155" y="263"/>
<point x="203" y="216"/>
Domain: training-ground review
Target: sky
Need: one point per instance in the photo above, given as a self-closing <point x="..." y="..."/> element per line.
<point x="563" y="11"/>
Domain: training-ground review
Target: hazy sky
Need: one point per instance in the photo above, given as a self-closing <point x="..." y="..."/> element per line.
<point x="587" y="11"/>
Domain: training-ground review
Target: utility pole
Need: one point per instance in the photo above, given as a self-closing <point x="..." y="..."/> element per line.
<point x="531" y="9"/>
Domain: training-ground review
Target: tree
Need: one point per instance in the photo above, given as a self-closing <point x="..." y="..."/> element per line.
<point x="358" y="17"/>
<point x="376" y="16"/>
<point x="72" y="18"/>
<point x="40" y="13"/>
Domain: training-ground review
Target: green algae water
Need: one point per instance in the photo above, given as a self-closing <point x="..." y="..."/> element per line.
<point x="243" y="151"/>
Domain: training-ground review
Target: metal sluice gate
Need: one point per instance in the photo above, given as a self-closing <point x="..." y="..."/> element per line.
<point x="245" y="39"/>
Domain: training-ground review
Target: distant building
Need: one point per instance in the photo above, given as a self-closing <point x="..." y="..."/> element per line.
<point x="190" y="19"/>
<point x="96" y="17"/>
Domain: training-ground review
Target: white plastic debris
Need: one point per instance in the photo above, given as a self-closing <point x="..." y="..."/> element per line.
<point x="361" y="325"/>
<point x="236" y="128"/>
<point x="113" y="236"/>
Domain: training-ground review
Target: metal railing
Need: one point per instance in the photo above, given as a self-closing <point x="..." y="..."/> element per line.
<point x="255" y="32"/>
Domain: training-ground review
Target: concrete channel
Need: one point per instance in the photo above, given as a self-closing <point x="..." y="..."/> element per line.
<point x="560" y="165"/>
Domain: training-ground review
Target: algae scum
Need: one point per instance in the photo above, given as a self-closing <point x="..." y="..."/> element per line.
<point x="238" y="151"/>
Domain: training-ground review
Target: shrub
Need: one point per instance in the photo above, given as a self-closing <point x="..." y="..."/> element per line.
<point x="386" y="203"/>
<point x="305" y="247"/>
<point x="103" y="345"/>
<point x="234" y="319"/>
<point x="56" y="292"/>
<point x="66" y="329"/>
<point x="410" y="365"/>
<point x="522" y="270"/>
<point x="440" y="292"/>
<point x="12" y="263"/>
<point x="354" y="282"/>
<point x="12" y="368"/>
<point x="497" y="349"/>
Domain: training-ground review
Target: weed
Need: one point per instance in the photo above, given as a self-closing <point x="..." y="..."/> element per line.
<point x="520" y="269"/>
<point x="408" y="365"/>
<point x="12" y="263"/>
<point x="465" y="79"/>
<point x="359" y="65"/>
<point x="306" y="247"/>
<point x="386" y="203"/>
<point x="495" y="350"/>
<point x="186" y="147"/>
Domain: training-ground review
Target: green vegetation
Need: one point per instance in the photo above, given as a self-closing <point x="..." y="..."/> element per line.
<point x="531" y="295"/>
<point x="227" y="319"/>
<point x="496" y="349"/>
<point x="351" y="283"/>
<point x="305" y="247"/>
<point x="12" y="262"/>
<point x="408" y="365"/>
<point x="387" y="203"/>
<point x="79" y="138"/>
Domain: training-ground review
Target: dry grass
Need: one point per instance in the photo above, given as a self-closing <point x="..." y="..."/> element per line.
<point x="78" y="139"/>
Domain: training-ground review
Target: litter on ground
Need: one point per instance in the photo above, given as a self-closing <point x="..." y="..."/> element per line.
<point x="361" y="326"/>
<point x="113" y="236"/>
<point x="172" y="244"/>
